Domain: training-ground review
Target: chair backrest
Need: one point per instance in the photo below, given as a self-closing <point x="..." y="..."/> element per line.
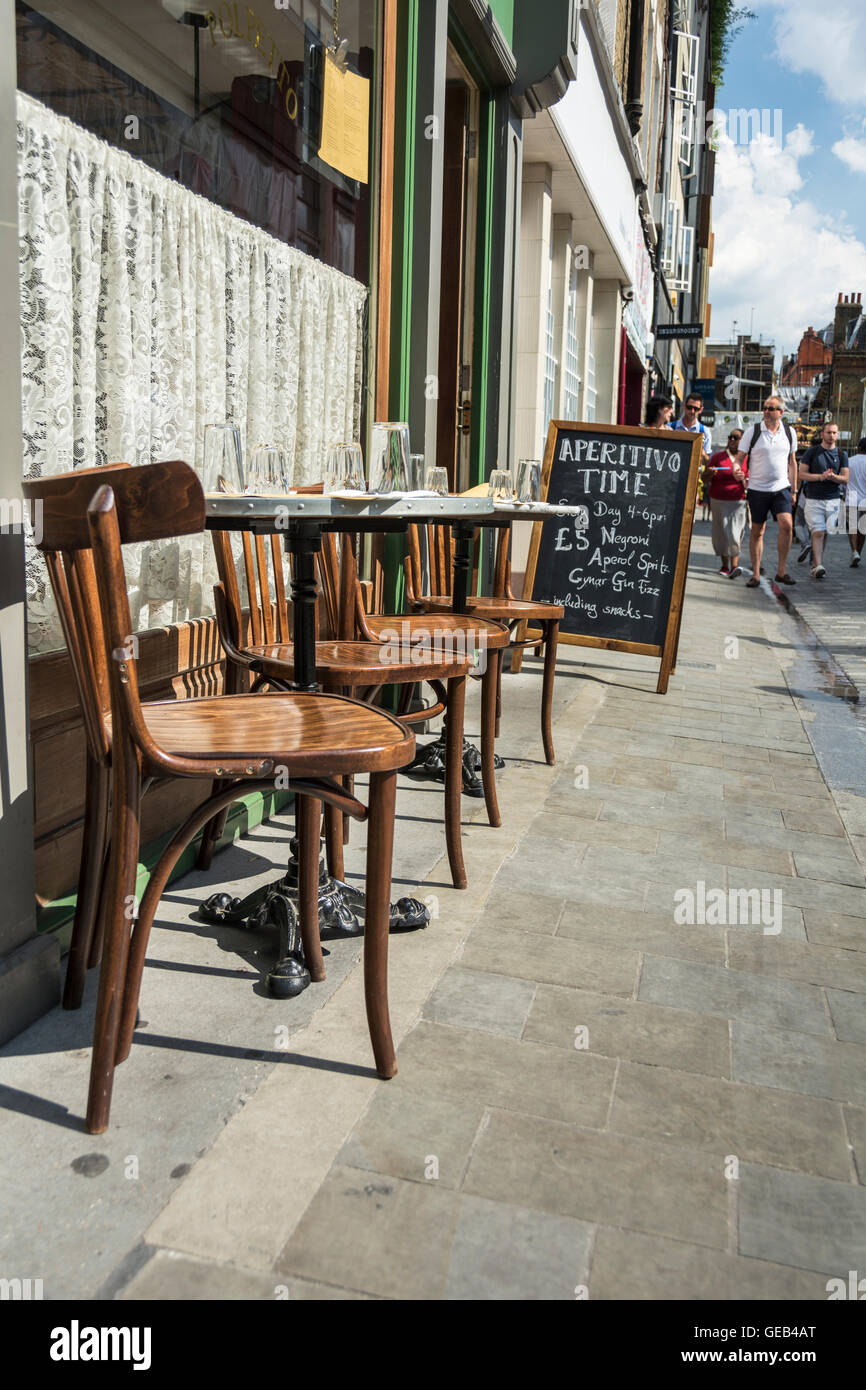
<point x="262" y="561"/>
<point x="435" y="541"/>
<point x="154" y="502"/>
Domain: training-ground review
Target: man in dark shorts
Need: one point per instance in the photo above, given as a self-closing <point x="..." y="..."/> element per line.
<point x="772" y="471"/>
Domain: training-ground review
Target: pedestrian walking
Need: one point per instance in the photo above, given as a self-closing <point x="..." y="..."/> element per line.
<point x="659" y="410"/>
<point x="727" y="484"/>
<point x="690" y="420"/>
<point x="855" y="502"/>
<point x="823" y="472"/>
<point x="769" y="449"/>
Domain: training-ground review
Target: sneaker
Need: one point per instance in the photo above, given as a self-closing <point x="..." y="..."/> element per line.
<point x="786" y="578"/>
<point x="855" y="560"/>
<point x="735" y="572"/>
<point x="818" y="571"/>
<point x="806" y="551"/>
<point x="724" y="570"/>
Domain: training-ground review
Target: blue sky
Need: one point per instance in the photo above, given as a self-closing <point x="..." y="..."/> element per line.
<point x="790" y="217"/>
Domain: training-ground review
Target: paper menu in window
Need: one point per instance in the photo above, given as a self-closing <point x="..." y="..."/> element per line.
<point x="345" y="120"/>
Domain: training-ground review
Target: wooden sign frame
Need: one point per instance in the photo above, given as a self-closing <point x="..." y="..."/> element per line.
<point x="668" y="650"/>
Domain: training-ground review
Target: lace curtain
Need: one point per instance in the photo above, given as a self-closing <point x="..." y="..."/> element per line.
<point x="147" y="312"/>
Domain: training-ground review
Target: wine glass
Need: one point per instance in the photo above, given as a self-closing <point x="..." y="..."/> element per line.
<point x="501" y="488"/>
<point x="436" y="480"/>
<point x="222" y="470"/>
<point x="528" y="480"/>
<point x="267" y="472"/>
<point x="344" y="469"/>
<point x="389" y="457"/>
<point x="416" y="472"/>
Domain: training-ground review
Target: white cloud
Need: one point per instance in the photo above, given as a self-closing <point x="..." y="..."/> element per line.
<point x="828" y="40"/>
<point x="774" y="248"/>
<point x="851" y="152"/>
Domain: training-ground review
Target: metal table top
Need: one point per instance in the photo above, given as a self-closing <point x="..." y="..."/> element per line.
<point x="231" y="511"/>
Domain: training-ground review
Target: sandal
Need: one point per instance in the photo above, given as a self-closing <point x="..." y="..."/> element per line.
<point x="753" y="582"/>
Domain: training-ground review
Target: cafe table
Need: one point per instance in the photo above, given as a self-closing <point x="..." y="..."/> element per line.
<point x="302" y="519"/>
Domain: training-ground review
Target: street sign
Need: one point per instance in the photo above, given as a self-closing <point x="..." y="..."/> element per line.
<point x="679" y="330"/>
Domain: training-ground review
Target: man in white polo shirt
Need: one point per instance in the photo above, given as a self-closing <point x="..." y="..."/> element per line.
<point x="770" y="449"/>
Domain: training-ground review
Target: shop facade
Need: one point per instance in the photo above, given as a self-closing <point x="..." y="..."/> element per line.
<point x="300" y="219"/>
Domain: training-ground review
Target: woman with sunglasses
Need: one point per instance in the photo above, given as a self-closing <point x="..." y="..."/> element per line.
<point x="727" y="481"/>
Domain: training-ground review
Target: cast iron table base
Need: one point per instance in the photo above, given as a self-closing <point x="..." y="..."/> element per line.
<point x="341" y="913"/>
<point x="429" y="762"/>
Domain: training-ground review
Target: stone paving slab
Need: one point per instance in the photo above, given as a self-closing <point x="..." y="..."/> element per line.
<point x="626" y="1028"/>
<point x="807" y="1222"/>
<point x="626" y="1265"/>
<point x="656" y="1188"/>
<point x="798" y="1062"/>
<point x="753" y="1122"/>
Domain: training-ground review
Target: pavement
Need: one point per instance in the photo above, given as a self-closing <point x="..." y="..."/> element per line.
<point x="631" y="1054"/>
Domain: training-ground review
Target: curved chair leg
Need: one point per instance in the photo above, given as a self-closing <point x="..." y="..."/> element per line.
<point x="500" y="657"/>
<point x="489" y="685"/>
<point x="152" y="894"/>
<point x="454" y="778"/>
<point x="334" y="842"/>
<point x="550" y="645"/>
<point x="380" y="845"/>
<point x="213" y="830"/>
<point x="234" y="683"/>
<point x="309" y="820"/>
<point x="91" y="878"/>
<point x="125" y="800"/>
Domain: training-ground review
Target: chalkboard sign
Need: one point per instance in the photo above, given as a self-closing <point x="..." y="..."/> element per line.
<point x="620" y="580"/>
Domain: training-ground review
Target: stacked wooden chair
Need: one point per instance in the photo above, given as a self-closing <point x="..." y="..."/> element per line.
<point x="342" y="665"/>
<point x="444" y="628"/>
<point x="500" y="607"/>
<point x="243" y="739"/>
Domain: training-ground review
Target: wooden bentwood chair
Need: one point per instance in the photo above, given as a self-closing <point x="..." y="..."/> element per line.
<point x="309" y="738"/>
<point x="501" y="607"/>
<point x="471" y="631"/>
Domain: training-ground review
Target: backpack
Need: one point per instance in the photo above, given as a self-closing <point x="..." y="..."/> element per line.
<point x="756" y="432"/>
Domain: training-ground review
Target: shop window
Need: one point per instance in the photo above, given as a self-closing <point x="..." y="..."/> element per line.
<point x="550" y="361"/>
<point x="590" y="397"/>
<point x="188" y="253"/>
<point x="226" y="100"/>
<point x="571" y="375"/>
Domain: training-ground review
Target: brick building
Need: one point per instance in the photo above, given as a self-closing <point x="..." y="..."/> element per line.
<point x="813" y="357"/>
<point x="842" y="391"/>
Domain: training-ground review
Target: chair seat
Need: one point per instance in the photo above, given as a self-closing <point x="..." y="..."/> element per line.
<point x="311" y="734"/>
<point x="503" y="610"/>
<point x="473" y="631"/>
<point x="368" y="663"/>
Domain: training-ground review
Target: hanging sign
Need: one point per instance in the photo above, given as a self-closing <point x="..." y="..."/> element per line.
<point x="345" y="120"/>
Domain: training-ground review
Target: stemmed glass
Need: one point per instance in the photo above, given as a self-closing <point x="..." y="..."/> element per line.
<point x="344" y="469"/>
<point x="267" y="472"/>
<point x="389" y="457"/>
<point x="223" y="467"/>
